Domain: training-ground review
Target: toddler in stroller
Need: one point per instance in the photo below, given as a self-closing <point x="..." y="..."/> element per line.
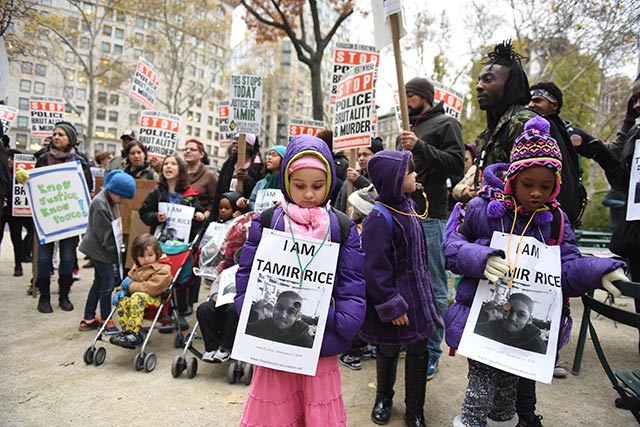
<point x="144" y="285"/>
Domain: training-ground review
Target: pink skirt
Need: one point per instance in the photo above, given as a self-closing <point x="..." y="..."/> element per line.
<point x="279" y="399"/>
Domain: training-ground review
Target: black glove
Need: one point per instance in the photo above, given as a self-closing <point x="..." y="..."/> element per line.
<point x="632" y="114"/>
<point x="585" y="144"/>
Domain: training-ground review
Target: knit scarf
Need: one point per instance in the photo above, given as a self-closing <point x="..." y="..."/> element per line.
<point x="56" y="156"/>
<point x="272" y="180"/>
<point x="311" y="222"/>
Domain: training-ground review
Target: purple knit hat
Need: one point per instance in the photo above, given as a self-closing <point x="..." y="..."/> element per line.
<point x="535" y="147"/>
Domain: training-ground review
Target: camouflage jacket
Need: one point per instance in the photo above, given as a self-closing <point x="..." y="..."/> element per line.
<point x="495" y="146"/>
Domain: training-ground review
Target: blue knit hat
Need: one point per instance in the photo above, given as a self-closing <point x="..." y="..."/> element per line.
<point x="280" y="149"/>
<point x="120" y="183"/>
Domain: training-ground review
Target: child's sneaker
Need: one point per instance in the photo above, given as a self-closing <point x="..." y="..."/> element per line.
<point x="367" y="353"/>
<point x="127" y="339"/>
<point x="111" y="328"/>
<point x="351" y="362"/>
<point x="90" y="325"/>
<point x="209" y="356"/>
<point x="559" y="372"/>
<point x="221" y="356"/>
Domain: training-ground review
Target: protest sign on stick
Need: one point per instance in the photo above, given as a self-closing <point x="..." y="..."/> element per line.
<point x="304" y="127"/>
<point x="225" y="136"/>
<point x="20" y="202"/>
<point x="354" y="108"/>
<point x="145" y="82"/>
<point x="159" y="132"/>
<point x="45" y="112"/>
<point x="453" y="100"/>
<point x="633" y="200"/>
<point x="245" y="104"/>
<point x="345" y="57"/>
<point x="7" y="117"/>
<point x="59" y="199"/>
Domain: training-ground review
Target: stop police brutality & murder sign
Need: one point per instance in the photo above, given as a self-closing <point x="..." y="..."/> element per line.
<point x="352" y="121"/>
<point x="159" y="132"/>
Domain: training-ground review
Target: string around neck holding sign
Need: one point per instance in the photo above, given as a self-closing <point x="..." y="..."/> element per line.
<point x="295" y="245"/>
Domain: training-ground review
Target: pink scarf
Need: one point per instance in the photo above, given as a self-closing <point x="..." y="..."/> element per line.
<point x="312" y="222"/>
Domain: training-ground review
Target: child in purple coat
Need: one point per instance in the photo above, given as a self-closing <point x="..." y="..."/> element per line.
<point x="527" y="196"/>
<point x="278" y="398"/>
<point x="401" y="306"/>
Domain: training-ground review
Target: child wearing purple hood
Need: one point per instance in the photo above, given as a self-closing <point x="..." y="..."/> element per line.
<point x="278" y="398"/>
<point x="401" y="306"/>
<point x="523" y="205"/>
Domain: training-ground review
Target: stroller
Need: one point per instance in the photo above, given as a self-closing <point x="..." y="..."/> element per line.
<point x="181" y="257"/>
<point x="211" y="256"/>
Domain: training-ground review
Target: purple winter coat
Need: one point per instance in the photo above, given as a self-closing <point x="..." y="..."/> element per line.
<point x="347" y="308"/>
<point x="467" y="253"/>
<point x="396" y="273"/>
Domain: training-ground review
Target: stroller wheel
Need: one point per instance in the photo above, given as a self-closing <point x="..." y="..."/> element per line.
<point x="231" y="372"/>
<point x="88" y="355"/>
<point x="178" y="341"/>
<point x="247" y="374"/>
<point x="177" y="366"/>
<point x="138" y="362"/>
<point x="150" y="361"/>
<point x="192" y="367"/>
<point x="100" y="356"/>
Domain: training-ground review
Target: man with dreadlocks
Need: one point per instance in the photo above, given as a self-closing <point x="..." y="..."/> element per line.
<point x="503" y="92"/>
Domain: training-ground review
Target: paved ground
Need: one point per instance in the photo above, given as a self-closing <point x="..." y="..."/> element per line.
<point x="44" y="381"/>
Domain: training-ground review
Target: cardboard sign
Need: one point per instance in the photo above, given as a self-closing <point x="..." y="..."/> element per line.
<point x="290" y="337"/>
<point x="159" y="133"/>
<point x="516" y="329"/>
<point x="245" y="102"/>
<point x="345" y="57"/>
<point x="224" y="133"/>
<point x="354" y="108"/>
<point x="59" y="197"/>
<point x="7" y="117"/>
<point x="144" y="85"/>
<point x="453" y="100"/>
<point x="304" y="127"/>
<point x="45" y="112"/>
<point x="633" y="200"/>
<point x="20" y="202"/>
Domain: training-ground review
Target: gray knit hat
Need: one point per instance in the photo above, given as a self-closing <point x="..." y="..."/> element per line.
<point x="362" y="202"/>
<point x="421" y="87"/>
<point x="70" y="130"/>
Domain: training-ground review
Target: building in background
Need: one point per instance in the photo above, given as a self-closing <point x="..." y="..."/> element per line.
<point x="124" y="37"/>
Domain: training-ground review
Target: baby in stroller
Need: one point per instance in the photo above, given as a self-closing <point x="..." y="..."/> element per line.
<point x="143" y="286"/>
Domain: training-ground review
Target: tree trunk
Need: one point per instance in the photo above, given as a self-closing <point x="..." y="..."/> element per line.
<point x="316" y="90"/>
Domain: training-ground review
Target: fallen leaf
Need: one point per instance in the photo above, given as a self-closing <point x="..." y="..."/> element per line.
<point x="67" y="363"/>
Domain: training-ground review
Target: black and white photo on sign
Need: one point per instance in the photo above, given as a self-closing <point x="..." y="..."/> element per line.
<point x="286" y="303"/>
<point x="227" y="286"/>
<point x="633" y="201"/>
<point x="513" y="324"/>
<point x="177" y="227"/>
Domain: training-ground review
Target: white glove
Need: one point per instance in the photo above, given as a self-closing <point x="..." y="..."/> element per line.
<point x="609" y="278"/>
<point x="496" y="268"/>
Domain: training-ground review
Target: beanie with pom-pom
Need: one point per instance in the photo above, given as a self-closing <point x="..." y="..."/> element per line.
<point x="535" y="147"/>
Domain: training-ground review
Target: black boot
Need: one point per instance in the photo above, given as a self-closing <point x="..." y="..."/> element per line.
<point x="44" y="303"/>
<point x="415" y="380"/>
<point x="64" y="283"/>
<point x="386" y="377"/>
